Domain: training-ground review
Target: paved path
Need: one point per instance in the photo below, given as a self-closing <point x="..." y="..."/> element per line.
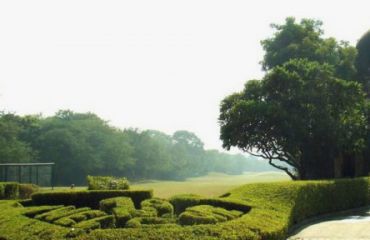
<point x="351" y="226"/>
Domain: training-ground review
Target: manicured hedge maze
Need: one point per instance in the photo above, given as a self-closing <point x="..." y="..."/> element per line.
<point x="261" y="211"/>
<point x="120" y="212"/>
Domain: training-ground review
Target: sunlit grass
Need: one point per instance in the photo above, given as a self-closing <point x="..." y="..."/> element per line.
<point x="214" y="184"/>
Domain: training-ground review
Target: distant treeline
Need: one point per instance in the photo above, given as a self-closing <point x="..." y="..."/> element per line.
<point x="83" y="144"/>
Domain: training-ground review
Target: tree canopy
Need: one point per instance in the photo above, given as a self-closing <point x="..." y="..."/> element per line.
<point x="308" y="113"/>
<point x="305" y="40"/>
<point x="83" y="144"/>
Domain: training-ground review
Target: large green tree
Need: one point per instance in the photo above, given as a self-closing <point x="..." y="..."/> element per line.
<point x="300" y="117"/>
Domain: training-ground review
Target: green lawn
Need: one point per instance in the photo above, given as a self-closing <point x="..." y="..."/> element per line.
<point x="211" y="185"/>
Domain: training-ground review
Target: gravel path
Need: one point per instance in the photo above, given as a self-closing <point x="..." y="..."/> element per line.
<point x="352" y="226"/>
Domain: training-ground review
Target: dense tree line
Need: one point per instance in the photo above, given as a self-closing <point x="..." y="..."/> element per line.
<point x="83" y="144"/>
<point x="309" y="114"/>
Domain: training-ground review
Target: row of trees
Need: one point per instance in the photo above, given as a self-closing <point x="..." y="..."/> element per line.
<point x="310" y="114"/>
<point x="83" y="144"/>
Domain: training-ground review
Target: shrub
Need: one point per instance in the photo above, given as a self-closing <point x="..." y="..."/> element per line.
<point x="55" y="212"/>
<point x="145" y="212"/>
<point x="133" y="223"/>
<point x="157" y="220"/>
<point x="26" y="190"/>
<point x="107" y="183"/>
<point x="66" y="222"/>
<point x="107" y="205"/>
<point x="88" y="198"/>
<point x="2" y="191"/>
<point x="100" y="222"/>
<point x="121" y="215"/>
<point x="82" y="216"/>
<point x="181" y="202"/>
<point x="58" y="215"/>
<point x="9" y="190"/>
<point x="206" y="214"/>
<point x="162" y="206"/>
<point x="33" y="211"/>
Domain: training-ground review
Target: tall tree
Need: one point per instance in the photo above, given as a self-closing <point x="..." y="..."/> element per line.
<point x="300" y="115"/>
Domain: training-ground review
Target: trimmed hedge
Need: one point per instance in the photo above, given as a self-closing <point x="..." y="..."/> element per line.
<point x="9" y="190"/>
<point x="14" y="190"/>
<point x="160" y="205"/>
<point x="26" y="190"/>
<point x="88" y="198"/>
<point x="183" y="201"/>
<point x="107" y="183"/>
<point x="107" y="205"/>
<point x="33" y="211"/>
<point x="100" y="222"/>
<point x="206" y="214"/>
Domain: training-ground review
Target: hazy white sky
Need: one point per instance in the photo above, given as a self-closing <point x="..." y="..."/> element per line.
<point x="162" y="65"/>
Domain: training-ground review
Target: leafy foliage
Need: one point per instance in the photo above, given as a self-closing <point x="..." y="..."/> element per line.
<point x="83" y="144"/>
<point x="107" y="183"/>
<point x="305" y="40"/>
<point x="307" y="115"/>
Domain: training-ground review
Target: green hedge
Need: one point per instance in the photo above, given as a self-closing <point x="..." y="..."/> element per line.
<point x="183" y="201"/>
<point x="9" y="190"/>
<point x="14" y="190"/>
<point x="206" y="214"/>
<point x="26" y="190"/>
<point x="107" y="205"/>
<point x="160" y="205"/>
<point x="107" y="183"/>
<point x="88" y="198"/>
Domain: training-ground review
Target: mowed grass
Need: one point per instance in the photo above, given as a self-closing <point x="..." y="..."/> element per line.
<point x="212" y="185"/>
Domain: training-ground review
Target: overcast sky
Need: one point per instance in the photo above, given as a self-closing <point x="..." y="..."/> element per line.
<point x="152" y="64"/>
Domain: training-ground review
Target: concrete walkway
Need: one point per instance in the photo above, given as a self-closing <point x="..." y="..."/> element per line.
<point x="355" y="225"/>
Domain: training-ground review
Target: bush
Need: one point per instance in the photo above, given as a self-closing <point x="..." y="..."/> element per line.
<point x="9" y="190"/>
<point x="121" y="215"/>
<point x="100" y="222"/>
<point x="50" y="214"/>
<point x="107" y="205"/>
<point x="26" y="190"/>
<point x="107" y="183"/>
<point x="2" y="191"/>
<point x="66" y="222"/>
<point x="33" y="211"/>
<point x="161" y="206"/>
<point x="133" y="223"/>
<point x="82" y="216"/>
<point x="181" y="202"/>
<point x="206" y="214"/>
<point x="14" y="190"/>
<point x="88" y="198"/>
